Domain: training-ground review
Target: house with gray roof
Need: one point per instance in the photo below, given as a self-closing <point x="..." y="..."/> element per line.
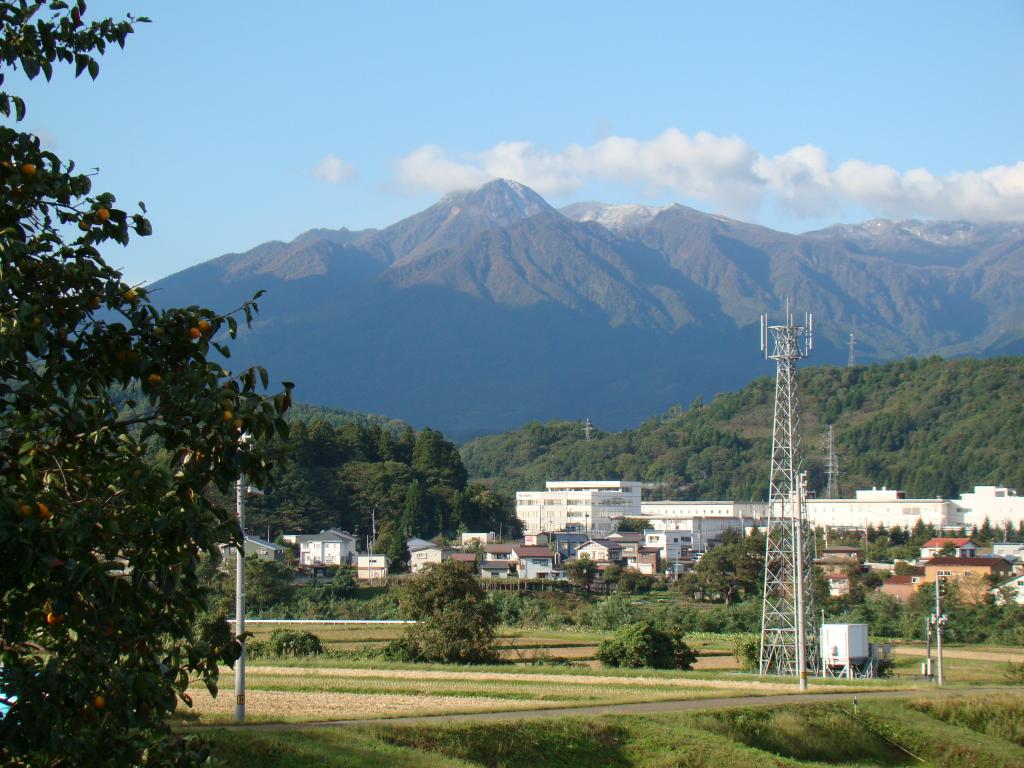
<point x="330" y="547"/>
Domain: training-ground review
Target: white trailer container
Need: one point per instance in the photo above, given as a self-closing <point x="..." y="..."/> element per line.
<point x="844" y="641"/>
<point x="845" y="651"/>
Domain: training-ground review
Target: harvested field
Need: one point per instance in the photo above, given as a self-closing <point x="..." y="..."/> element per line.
<point x="265" y="705"/>
<point x="293" y="694"/>
<point x="983" y="654"/>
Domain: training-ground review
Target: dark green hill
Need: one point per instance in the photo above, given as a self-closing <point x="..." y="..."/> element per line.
<point x="336" y="417"/>
<point x="930" y="427"/>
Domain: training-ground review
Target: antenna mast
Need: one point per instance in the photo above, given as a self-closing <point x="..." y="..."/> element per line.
<point x="851" y="360"/>
<point x="588" y="427"/>
<point x="787" y="616"/>
<point x="831" y="465"/>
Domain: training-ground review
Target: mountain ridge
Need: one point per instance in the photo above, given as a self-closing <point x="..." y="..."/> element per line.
<point x="491" y="305"/>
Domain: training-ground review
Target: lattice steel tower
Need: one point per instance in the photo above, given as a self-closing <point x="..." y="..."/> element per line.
<point x="787" y="616"/>
<point x="831" y="465"/>
<point x="851" y="358"/>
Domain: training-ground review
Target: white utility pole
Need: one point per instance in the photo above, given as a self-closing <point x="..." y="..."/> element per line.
<point x="940" y="622"/>
<point x="240" y="604"/>
<point x="801" y="623"/>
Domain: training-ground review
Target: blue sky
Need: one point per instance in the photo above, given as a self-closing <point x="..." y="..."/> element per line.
<point x="241" y="121"/>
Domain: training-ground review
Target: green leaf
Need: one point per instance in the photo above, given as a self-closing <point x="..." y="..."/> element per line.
<point x="30" y="66"/>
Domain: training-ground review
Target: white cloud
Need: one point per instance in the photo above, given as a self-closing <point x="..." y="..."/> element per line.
<point x="333" y="170"/>
<point x="427" y="169"/>
<point x="729" y="174"/>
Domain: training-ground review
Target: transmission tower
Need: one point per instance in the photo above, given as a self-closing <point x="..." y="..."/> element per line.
<point x="787" y="616"/>
<point x="851" y="360"/>
<point x="831" y="465"/>
<point x="588" y="427"/>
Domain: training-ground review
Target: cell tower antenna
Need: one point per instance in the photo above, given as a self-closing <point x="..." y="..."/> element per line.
<point x="831" y="465"/>
<point x="588" y="427"/>
<point x="851" y="360"/>
<point x="787" y="615"/>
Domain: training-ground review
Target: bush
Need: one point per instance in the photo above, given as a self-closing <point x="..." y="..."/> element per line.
<point x="631" y="581"/>
<point x="455" y="622"/>
<point x="642" y="645"/>
<point x="287" y="642"/>
<point x="748" y="653"/>
<point x="612" y="613"/>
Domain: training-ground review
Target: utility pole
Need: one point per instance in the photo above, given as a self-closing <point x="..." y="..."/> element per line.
<point x="786" y="611"/>
<point x="940" y="622"/>
<point x="373" y="525"/>
<point x="240" y="603"/>
<point x="928" y="651"/>
<point x="241" y="489"/>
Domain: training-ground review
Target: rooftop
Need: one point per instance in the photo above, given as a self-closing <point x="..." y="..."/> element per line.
<point x="532" y="551"/>
<point x="989" y="562"/>
<point x="941" y="541"/>
<point x="897" y="580"/>
<point x="626" y="537"/>
<point x="414" y="544"/>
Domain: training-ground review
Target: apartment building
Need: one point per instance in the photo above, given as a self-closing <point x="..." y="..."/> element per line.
<point x="591" y="506"/>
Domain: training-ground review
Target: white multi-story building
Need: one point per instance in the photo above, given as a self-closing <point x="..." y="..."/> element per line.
<point x="669" y="510"/>
<point x="596" y="506"/>
<point x="704" y="522"/>
<point x="996" y="504"/>
<point x="892" y="509"/>
<point x="588" y="505"/>
<point x="672" y="545"/>
<point x="879" y="507"/>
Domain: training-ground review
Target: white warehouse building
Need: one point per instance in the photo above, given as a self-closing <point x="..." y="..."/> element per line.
<point x="892" y="509"/>
<point x="597" y="506"/>
<point x="581" y="505"/>
<point x="994" y="503"/>
<point x="881" y="507"/>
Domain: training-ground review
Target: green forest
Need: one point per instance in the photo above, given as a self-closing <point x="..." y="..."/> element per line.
<point x="930" y="427"/>
<point x="346" y="471"/>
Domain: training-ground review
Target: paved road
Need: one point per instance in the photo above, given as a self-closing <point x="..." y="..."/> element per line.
<point x="641" y="708"/>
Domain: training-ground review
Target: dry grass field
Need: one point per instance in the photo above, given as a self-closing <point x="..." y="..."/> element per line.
<point x="294" y="694"/>
<point x="548" y="669"/>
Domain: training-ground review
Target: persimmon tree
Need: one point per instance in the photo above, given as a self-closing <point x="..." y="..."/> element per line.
<point x="115" y="417"/>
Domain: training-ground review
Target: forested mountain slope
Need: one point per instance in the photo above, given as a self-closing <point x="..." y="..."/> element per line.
<point x="354" y="472"/>
<point x="930" y="427"/>
<point x="491" y="308"/>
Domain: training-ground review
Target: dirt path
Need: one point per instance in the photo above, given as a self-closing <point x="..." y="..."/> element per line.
<point x="629" y="709"/>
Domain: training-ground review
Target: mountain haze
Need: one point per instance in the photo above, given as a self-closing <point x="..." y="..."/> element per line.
<point x="491" y="308"/>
